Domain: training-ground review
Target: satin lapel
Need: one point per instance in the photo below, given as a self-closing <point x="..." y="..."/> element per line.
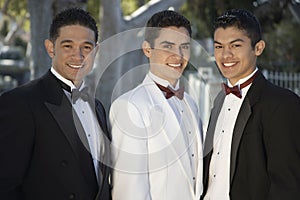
<point x="240" y="124"/>
<point x="250" y="100"/>
<point x="159" y="103"/>
<point x="63" y="116"/>
<point x="60" y="108"/>
<point x="104" y="161"/>
<point x="209" y="139"/>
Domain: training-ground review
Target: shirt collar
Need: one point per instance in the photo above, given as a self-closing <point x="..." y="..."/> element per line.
<point x="161" y="81"/>
<point x="64" y="80"/>
<point x="243" y="79"/>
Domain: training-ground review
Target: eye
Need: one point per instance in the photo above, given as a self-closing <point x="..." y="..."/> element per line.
<point x="167" y="46"/>
<point x="185" y="47"/>
<point x="236" y="45"/>
<point x="87" y="47"/>
<point x="218" y="46"/>
<point x="67" y="46"/>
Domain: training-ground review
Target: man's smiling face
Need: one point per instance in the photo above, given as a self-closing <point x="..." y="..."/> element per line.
<point x="170" y="53"/>
<point x="235" y="56"/>
<point x="70" y="50"/>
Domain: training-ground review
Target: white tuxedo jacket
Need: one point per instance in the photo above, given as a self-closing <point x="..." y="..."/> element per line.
<point x="150" y="155"/>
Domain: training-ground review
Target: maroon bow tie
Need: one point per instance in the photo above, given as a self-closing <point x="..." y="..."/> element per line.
<point x="236" y="90"/>
<point x="169" y="92"/>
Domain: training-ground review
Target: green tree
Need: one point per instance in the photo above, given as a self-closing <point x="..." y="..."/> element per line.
<point x="279" y="26"/>
<point x="14" y="18"/>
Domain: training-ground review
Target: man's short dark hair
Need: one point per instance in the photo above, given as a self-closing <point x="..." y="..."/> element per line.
<point x="165" y="19"/>
<point x="72" y="16"/>
<point x="243" y="20"/>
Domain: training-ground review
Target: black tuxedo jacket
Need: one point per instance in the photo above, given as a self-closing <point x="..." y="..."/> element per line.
<point x="42" y="156"/>
<point x="265" y="149"/>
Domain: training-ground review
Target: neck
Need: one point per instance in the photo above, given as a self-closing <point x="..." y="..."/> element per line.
<point x="77" y="83"/>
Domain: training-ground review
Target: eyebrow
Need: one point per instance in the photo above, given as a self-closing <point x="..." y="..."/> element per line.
<point x="233" y="41"/>
<point x="166" y="42"/>
<point x="70" y="41"/>
<point x="172" y="43"/>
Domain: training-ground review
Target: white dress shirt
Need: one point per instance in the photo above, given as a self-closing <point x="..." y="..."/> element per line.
<point x="219" y="171"/>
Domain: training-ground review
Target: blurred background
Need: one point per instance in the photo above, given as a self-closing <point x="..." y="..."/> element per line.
<point x="24" y="26"/>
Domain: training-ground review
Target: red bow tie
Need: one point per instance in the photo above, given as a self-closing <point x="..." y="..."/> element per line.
<point x="169" y="92"/>
<point x="236" y="90"/>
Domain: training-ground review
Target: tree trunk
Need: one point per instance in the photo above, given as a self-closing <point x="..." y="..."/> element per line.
<point x="40" y="18"/>
<point x="41" y="14"/>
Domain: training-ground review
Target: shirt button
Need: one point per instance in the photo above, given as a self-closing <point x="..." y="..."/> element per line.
<point x="72" y="196"/>
<point x="229" y="109"/>
<point x="192" y="155"/>
<point x="63" y="163"/>
<point x="214" y="176"/>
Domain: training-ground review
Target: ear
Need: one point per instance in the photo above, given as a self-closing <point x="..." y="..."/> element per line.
<point x="259" y="47"/>
<point x="49" y="48"/>
<point x="146" y="48"/>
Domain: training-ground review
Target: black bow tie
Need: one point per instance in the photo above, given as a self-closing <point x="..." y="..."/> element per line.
<point x="169" y="92"/>
<point x="83" y="94"/>
<point x="76" y="93"/>
<point x="236" y="90"/>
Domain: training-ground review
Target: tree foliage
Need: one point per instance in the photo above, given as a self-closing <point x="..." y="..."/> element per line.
<point x="279" y="26"/>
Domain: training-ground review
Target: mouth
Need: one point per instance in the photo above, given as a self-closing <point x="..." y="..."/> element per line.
<point x="75" y="66"/>
<point x="175" y="65"/>
<point x="229" y="64"/>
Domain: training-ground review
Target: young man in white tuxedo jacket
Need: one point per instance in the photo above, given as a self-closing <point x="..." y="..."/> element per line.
<point x="156" y="129"/>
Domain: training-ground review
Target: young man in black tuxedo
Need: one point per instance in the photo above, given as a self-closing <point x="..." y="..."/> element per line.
<point x="53" y="146"/>
<point x="252" y="144"/>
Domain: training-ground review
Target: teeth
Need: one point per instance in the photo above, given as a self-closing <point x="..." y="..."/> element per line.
<point x="174" y="65"/>
<point x="75" y="66"/>
<point x="228" y="64"/>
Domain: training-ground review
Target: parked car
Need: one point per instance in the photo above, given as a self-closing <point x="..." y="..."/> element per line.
<point x="13" y="63"/>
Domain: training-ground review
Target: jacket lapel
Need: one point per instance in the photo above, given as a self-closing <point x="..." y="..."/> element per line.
<point x="171" y="132"/>
<point x="243" y="116"/>
<point x="209" y="139"/>
<point x="60" y="108"/>
<point x="251" y="98"/>
<point x="105" y="137"/>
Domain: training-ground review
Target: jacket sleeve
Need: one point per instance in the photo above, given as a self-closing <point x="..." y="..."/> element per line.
<point x="16" y="142"/>
<point x="282" y="143"/>
<point x="129" y="152"/>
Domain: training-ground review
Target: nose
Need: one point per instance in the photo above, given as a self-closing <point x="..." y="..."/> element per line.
<point x="227" y="53"/>
<point x="77" y="53"/>
<point x="178" y="52"/>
